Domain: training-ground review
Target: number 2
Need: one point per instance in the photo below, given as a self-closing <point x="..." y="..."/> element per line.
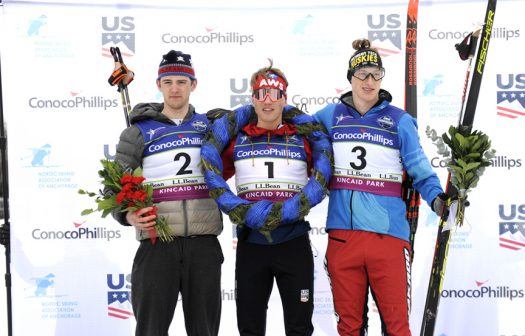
<point x="185" y="164"/>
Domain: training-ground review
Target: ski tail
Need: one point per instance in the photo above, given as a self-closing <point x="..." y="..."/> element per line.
<point x="409" y="194"/>
<point x="437" y="274"/>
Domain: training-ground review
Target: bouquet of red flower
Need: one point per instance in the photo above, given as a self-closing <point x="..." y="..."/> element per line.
<point x="124" y="191"/>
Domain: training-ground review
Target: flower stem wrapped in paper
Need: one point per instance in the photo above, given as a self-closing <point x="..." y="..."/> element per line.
<point x="124" y="191"/>
<point x="466" y="152"/>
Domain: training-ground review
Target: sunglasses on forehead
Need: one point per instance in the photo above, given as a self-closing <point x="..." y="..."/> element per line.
<point x="274" y="94"/>
<point x="363" y="74"/>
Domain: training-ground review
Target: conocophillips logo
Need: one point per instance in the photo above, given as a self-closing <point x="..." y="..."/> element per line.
<point x="209" y="37"/>
<point x="77" y="233"/>
<point x="510" y="95"/>
<point x="385" y="28"/>
<point x="74" y="102"/>
<point x="304" y="102"/>
<point x="484" y="292"/>
<point x="501" y="32"/>
<point x="499" y="161"/>
<point x="118" y="32"/>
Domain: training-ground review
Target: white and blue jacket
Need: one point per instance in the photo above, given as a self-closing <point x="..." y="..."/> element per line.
<point x="370" y="154"/>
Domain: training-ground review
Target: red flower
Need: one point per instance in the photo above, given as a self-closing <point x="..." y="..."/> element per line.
<point x="128" y="194"/>
<point x="127" y="187"/>
<point x="120" y="197"/>
<point x="126" y="178"/>
<point x="137" y="179"/>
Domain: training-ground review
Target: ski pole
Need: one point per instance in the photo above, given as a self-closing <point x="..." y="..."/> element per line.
<point x="121" y="77"/>
<point x="466" y="50"/>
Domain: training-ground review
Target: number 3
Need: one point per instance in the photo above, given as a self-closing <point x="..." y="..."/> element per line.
<point x="361" y="157"/>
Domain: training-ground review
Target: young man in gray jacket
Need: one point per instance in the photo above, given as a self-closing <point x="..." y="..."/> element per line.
<point x="165" y="140"/>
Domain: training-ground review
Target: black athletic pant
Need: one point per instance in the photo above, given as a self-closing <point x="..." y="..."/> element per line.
<point x="291" y="265"/>
<point x="191" y="266"/>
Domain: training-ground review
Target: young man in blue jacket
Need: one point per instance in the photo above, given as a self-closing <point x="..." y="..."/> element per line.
<point x="373" y="142"/>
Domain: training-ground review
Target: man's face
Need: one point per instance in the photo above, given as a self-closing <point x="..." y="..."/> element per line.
<point x="176" y="90"/>
<point x="269" y="104"/>
<point x="366" y="90"/>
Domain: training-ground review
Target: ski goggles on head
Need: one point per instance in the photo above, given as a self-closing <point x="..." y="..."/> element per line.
<point x="364" y="73"/>
<point x="273" y="93"/>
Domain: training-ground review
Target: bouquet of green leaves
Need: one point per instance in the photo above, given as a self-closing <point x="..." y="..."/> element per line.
<point x="467" y="153"/>
<point x="124" y="191"/>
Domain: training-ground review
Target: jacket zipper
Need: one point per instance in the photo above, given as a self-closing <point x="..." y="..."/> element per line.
<point x="185" y="214"/>
<point x="351" y="212"/>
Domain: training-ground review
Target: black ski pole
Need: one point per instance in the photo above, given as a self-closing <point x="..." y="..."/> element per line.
<point x="5" y="227"/>
<point x="121" y="77"/>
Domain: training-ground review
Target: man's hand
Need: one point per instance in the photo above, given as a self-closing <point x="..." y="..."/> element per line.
<point x="140" y="219"/>
<point x="440" y="205"/>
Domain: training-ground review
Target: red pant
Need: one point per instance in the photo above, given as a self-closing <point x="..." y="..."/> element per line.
<point x="355" y="259"/>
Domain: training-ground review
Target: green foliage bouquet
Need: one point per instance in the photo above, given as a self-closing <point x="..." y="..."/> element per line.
<point x="467" y="153"/>
<point x="124" y="191"/>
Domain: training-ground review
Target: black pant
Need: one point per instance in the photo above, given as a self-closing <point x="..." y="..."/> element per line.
<point x="190" y="266"/>
<point x="291" y="264"/>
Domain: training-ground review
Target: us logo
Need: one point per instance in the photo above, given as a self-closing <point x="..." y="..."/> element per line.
<point x="385" y="30"/>
<point x="511" y="95"/>
<point x="119" y="296"/>
<point x="240" y="93"/>
<point x="118" y="32"/>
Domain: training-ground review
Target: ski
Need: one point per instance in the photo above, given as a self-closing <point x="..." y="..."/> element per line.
<point x="478" y="46"/>
<point x="409" y="193"/>
<point x="5" y="227"/>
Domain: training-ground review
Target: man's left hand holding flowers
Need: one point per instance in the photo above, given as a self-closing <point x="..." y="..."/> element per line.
<point x="124" y="191"/>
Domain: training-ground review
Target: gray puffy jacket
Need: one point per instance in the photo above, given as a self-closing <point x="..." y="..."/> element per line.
<point x="185" y="218"/>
